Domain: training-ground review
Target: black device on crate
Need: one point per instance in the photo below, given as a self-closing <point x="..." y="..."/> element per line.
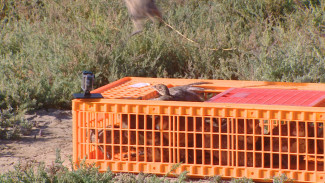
<point x="87" y="83"/>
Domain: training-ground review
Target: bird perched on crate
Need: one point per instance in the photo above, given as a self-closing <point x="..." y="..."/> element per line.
<point x="164" y="93"/>
<point x="179" y="93"/>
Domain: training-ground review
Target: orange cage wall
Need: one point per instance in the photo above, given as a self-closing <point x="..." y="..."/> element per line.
<point x="128" y="133"/>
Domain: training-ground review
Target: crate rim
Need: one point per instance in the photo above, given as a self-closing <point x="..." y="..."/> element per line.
<point x="199" y="104"/>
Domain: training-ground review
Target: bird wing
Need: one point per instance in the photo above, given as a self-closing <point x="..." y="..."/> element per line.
<point x="188" y="87"/>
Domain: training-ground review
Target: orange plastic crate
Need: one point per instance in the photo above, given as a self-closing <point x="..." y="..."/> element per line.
<point x="128" y="133"/>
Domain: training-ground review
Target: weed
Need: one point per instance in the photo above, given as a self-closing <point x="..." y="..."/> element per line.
<point x="242" y="180"/>
<point x="282" y="179"/>
<point x="12" y="124"/>
<point x="33" y="171"/>
<point x="45" y="45"/>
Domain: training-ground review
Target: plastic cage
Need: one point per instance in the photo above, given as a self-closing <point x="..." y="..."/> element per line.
<point x="129" y="133"/>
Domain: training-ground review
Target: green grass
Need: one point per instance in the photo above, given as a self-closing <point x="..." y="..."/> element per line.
<point x="46" y="44"/>
<point x="37" y="172"/>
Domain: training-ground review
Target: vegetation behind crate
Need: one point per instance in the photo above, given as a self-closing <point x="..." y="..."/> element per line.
<point x="46" y="44"/>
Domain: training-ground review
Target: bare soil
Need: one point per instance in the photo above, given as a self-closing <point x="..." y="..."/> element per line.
<point x="56" y="133"/>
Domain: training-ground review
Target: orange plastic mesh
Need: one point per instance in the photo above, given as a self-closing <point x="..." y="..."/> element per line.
<point x="232" y="140"/>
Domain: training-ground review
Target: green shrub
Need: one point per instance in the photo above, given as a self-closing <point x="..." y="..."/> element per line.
<point x="46" y="44"/>
<point x="12" y="124"/>
<point x="242" y="180"/>
<point x="281" y="179"/>
<point x="35" y="172"/>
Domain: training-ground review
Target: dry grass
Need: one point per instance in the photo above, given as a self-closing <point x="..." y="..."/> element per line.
<point x="46" y="44"/>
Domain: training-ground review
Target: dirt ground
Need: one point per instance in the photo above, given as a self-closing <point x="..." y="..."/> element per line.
<point x="56" y="133"/>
